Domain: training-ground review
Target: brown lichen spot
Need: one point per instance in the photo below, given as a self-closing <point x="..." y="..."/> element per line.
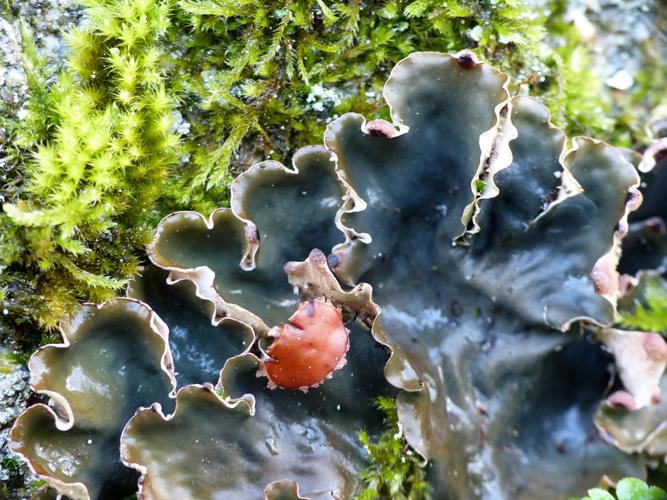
<point x="655" y="346"/>
<point x="634" y="199"/>
<point x="656" y="225"/>
<point x="467" y="60"/>
<point x="308" y="349"/>
<point x="380" y="128"/>
<point x="604" y="275"/>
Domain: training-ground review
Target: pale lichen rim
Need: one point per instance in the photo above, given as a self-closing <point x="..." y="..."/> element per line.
<point x="156" y="408"/>
<point x="244" y="403"/>
<point x="495" y="154"/>
<point x="641" y="447"/>
<point x="203" y="277"/>
<point x="568" y="187"/>
<point x="78" y="490"/>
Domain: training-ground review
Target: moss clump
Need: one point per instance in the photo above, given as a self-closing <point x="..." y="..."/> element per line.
<point x="394" y="471"/>
<point x="104" y="145"/>
<point x="259" y="79"/>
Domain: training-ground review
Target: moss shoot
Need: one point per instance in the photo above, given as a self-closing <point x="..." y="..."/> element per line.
<point x="395" y="469"/>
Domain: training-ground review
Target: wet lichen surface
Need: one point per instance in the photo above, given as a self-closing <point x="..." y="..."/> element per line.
<point x="455" y="262"/>
<point x="449" y="261"/>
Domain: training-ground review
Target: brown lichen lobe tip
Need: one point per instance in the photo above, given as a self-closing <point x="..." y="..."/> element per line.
<point x="308" y="349"/>
<point x="380" y="128"/>
<point x="634" y="199"/>
<point x="622" y="398"/>
<point x="466" y="60"/>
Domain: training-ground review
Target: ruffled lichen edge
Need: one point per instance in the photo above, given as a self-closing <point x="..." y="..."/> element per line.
<point x="603" y="275"/>
<point x="243" y="405"/>
<point x="220" y="395"/>
<point x="203" y="277"/>
<point x="77" y="490"/>
<point x="495" y="155"/>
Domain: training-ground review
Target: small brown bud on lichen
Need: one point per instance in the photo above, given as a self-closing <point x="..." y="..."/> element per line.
<point x="622" y="398"/>
<point x="467" y="60"/>
<point x="380" y="128"/>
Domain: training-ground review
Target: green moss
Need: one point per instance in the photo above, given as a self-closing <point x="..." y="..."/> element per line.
<point x="103" y="146"/>
<point x="254" y="79"/>
<point x="650" y="314"/>
<point x="12" y="487"/>
<point x="259" y="79"/>
<point x="394" y="471"/>
<point x="570" y="87"/>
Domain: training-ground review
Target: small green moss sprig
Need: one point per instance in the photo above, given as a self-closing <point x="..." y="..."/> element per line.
<point x="574" y="93"/>
<point x="629" y="488"/>
<point x="649" y="313"/>
<point x="104" y="148"/>
<point x="394" y="471"/>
